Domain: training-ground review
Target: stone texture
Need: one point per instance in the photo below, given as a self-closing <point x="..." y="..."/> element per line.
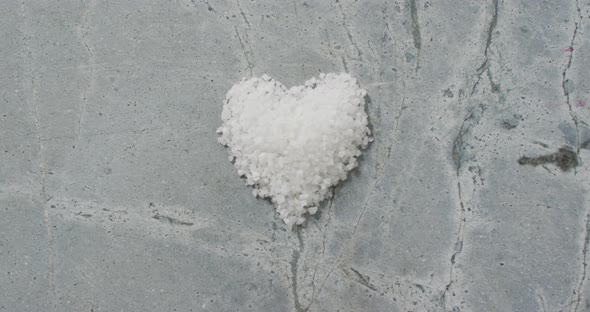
<point x="116" y="196"/>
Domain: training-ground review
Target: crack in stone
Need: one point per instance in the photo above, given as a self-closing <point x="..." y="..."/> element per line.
<point x="417" y="37"/>
<point x="330" y="273"/>
<point x="300" y="239"/>
<point x="457" y="152"/>
<point x="361" y="279"/>
<point x="373" y="53"/>
<point x="492" y="27"/>
<point x="344" y="64"/>
<point x="458" y="248"/>
<point x="247" y="56"/>
<point x="349" y="34"/>
<point x="542" y="302"/>
<point x="566" y="91"/>
<point x="380" y="173"/>
<point x="243" y="14"/>
<point x="565" y="81"/>
<point x="366" y="203"/>
<point x="294" y="271"/>
<point x="91" y="60"/>
<point x="327" y="223"/>
<point x="398" y="117"/>
<point x="485" y="66"/>
<point x="312" y="288"/>
<point x="313" y="292"/>
<point x="469" y="122"/>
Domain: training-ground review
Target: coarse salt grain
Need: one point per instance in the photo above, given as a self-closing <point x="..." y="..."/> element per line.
<point x="293" y="145"/>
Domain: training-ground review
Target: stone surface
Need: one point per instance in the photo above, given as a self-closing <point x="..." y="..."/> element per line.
<point x="116" y="196"/>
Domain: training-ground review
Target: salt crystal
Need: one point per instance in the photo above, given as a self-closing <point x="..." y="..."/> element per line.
<point x="312" y="210"/>
<point x="294" y="144"/>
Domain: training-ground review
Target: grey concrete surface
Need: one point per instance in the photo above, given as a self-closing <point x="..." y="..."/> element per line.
<point x="116" y="196"/>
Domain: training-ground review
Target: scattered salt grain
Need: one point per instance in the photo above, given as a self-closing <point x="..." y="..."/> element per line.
<point x="293" y="145"/>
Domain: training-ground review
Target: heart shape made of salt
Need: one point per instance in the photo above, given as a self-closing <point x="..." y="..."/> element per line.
<point x="293" y="145"/>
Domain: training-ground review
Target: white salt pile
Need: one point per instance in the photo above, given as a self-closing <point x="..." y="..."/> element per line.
<point x="292" y="145"/>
